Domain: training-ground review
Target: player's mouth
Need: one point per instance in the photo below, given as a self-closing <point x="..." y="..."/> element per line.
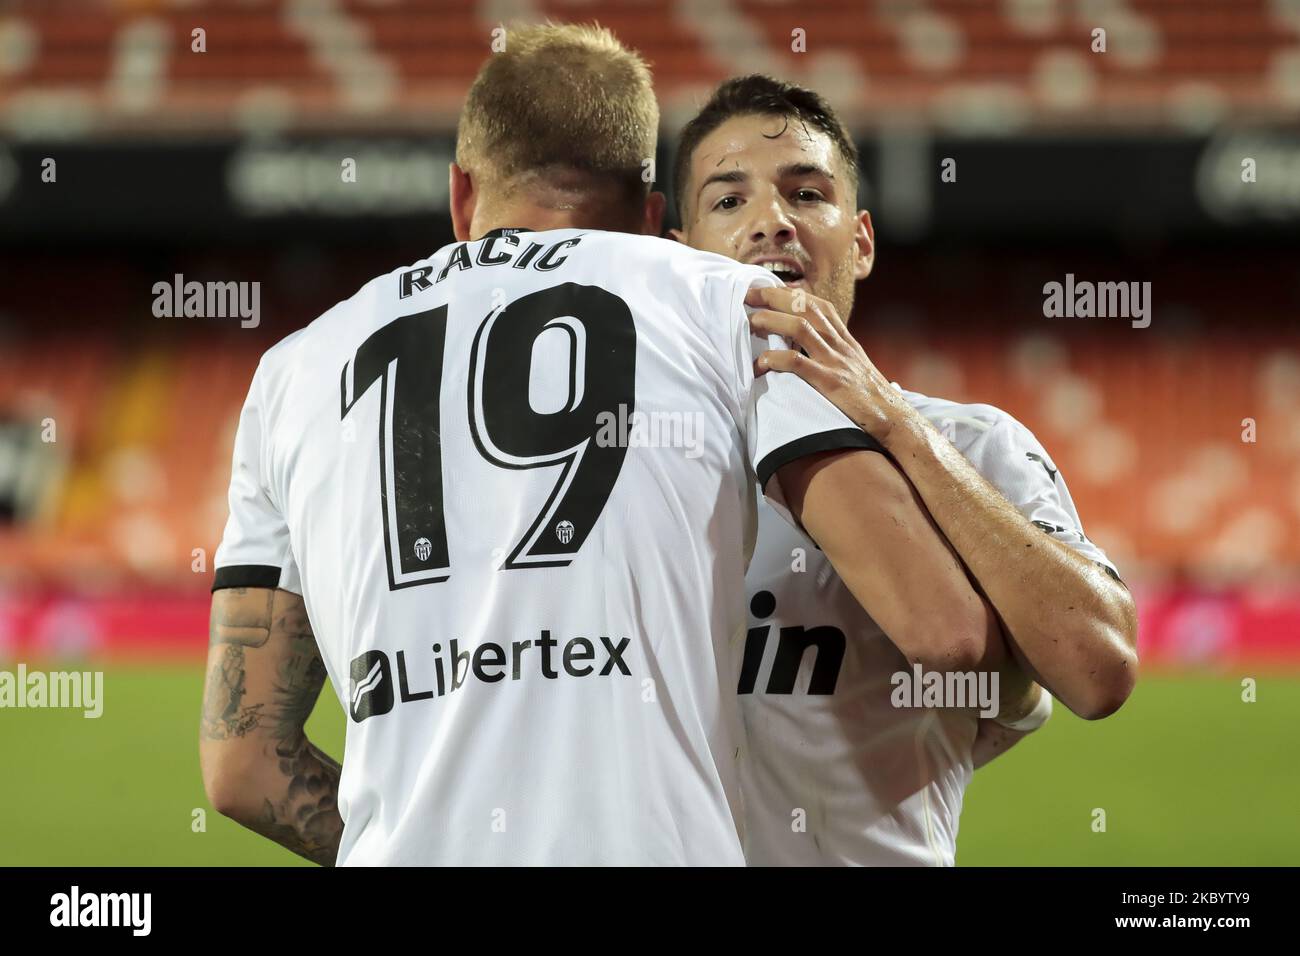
<point x="786" y="269"/>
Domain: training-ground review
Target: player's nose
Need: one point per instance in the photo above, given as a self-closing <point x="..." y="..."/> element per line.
<point x="771" y="223"/>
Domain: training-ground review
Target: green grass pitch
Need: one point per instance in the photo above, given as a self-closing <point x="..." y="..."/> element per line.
<point x="1187" y="774"/>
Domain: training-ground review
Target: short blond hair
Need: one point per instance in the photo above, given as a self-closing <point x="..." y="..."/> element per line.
<point x="560" y="97"/>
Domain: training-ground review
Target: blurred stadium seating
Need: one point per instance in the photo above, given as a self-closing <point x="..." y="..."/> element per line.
<point x="1146" y="425"/>
<point x="329" y="62"/>
<point x="1147" y="428"/>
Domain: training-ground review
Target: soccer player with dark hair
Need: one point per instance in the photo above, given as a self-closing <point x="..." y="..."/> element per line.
<point x="767" y="175"/>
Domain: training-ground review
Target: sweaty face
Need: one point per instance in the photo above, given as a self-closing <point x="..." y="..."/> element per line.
<point x="770" y="191"/>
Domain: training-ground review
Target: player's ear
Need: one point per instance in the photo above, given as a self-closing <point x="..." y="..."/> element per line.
<point x="864" y="245"/>
<point x="463" y="200"/>
<point x="678" y="235"/>
<point x="652" y="223"/>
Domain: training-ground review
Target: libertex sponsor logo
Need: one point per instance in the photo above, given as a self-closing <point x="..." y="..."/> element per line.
<point x="377" y="685"/>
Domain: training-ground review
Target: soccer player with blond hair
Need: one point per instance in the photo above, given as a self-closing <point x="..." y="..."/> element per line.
<point x="504" y="498"/>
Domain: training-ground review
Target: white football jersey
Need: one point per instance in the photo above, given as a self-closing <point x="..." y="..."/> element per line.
<point x="515" y="486"/>
<point x="837" y="774"/>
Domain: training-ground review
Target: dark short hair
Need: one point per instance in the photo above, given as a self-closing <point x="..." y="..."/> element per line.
<point x="759" y="95"/>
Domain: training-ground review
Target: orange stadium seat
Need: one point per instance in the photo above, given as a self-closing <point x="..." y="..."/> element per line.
<point x="1155" y="461"/>
<point x="906" y="56"/>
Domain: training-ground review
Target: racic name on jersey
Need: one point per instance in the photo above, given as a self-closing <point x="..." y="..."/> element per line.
<point x="541" y="257"/>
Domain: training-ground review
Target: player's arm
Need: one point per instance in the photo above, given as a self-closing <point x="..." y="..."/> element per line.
<point x="264" y="675"/>
<point x="1023" y="707"/>
<point x="832" y="479"/>
<point x="993" y="740"/>
<point x="1071" y="626"/>
<point x="866" y="517"/>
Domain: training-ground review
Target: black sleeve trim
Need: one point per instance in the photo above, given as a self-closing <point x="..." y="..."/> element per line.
<point x="247" y="576"/>
<point x="841" y="439"/>
<point x="1112" y="572"/>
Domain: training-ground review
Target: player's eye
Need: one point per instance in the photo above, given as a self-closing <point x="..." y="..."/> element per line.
<point x="727" y="202"/>
<point x="808" y="195"/>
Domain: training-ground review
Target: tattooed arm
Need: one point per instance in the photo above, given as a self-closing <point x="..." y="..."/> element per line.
<point x="264" y="675"/>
